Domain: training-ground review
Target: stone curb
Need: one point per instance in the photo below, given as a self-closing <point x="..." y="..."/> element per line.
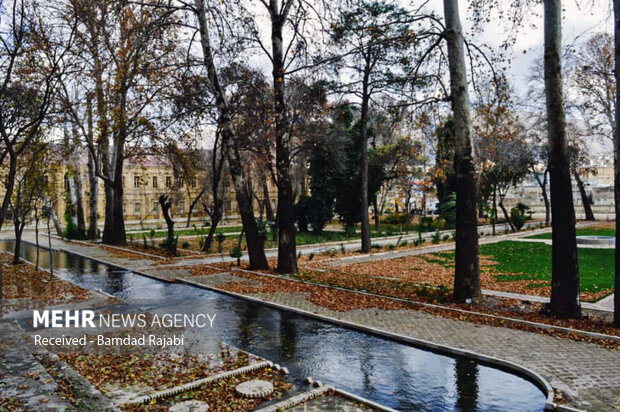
<point x="89" y="244"/>
<point x="98" y="260"/>
<point x="519" y="370"/>
<point x="364" y="401"/>
<point x="134" y="252"/>
<point x="116" y="265"/>
<point x="195" y="384"/>
<point x="295" y="400"/>
<point x="579" y="332"/>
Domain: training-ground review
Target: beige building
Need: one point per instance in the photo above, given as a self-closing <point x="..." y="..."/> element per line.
<point x="146" y="180"/>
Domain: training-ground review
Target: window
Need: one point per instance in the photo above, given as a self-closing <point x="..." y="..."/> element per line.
<point x="137" y="208"/>
<point x="66" y="182"/>
<point x="168" y="181"/>
<point x="155" y="207"/>
<point x="136" y="182"/>
<point x="182" y="206"/>
<point x="154" y="182"/>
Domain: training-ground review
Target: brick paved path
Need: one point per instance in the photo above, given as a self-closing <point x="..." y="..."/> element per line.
<point x="587" y="373"/>
<point x="22" y="376"/>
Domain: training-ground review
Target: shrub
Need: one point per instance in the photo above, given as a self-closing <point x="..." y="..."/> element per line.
<point x="439" y="224"/>
<point x="446" y="237"/>
<point x="71" y="231"/>
<point x="170" y="245"/>
<point x="220" y="238"/>
<point x="436" y="237"/>
<point x="517" y="216"/>
<point x="235" y="252"/>
<point x="185" y="245"/>
<point x="396" y="219"/>
<point x="313" y="211"/>
<point x="311" y="256"/>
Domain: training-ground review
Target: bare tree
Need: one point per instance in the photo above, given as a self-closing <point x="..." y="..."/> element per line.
<point x="254" y="239"/>
<point x="126" y="50"/>
<point x="31" y="184"/>
<point x="565" y="276"/>
<point x="28" y="84"/>
<point x="467" y="270"/>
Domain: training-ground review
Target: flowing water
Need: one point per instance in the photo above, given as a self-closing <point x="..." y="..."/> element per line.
<point x="388" y="372"/>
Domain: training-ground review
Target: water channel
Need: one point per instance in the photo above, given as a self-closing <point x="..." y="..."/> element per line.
<point x="388" y="372"/>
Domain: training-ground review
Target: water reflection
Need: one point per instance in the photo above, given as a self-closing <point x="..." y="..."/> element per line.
<point x="396" y="375"/>
<point x="466" y="375"/>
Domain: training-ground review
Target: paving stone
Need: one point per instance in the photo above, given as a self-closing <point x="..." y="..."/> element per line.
<point x="328" y="403"/>
<point x="189" y="406"/>
<point x="23" y="377"/>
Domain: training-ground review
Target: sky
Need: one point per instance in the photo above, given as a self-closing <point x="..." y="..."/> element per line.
<point x="581" y="20"/>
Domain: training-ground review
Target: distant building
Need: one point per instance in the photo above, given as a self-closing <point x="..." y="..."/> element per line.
<point x="144" y="180"/>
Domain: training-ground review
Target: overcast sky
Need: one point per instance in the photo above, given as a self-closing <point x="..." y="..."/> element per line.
<point x="580" y="21"/>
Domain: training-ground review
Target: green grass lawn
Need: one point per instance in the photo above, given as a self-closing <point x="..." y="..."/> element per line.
<point x="188" y="232"/>
<point x="587" y="231"/>
<point x="310" y="238"/>
<point x="532" y="261"/>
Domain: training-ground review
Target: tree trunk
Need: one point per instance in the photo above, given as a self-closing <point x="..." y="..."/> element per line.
<point x="114" y="229"/>
<point x="93" y="200"/>
<point x="375" y="207"/>
<point x="36" y="237"/>
<point x="287" y="249"/>
<point x="77" y="181"/>
<point x="209" y="239"/>
<point x="365" y="224"/>
<point x="57" y="224"/>
<point x="10" y="184"/>
<point x="268" y="209"/>
<point x="255" y="243"/>
<point x="467" y="271"/>
<point x="192" y="205"/>
<point x="587" y="205"/>
<point x="18" y="228"/>
<point x="543" y="188"/>
<point x="565" y="270"/>
<point x="494" y="220"/>
<point x="165" y="202"/>
<point x="49" y="244"/>
<point x="617" y="162"/>
<point x="506" y="215"/>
